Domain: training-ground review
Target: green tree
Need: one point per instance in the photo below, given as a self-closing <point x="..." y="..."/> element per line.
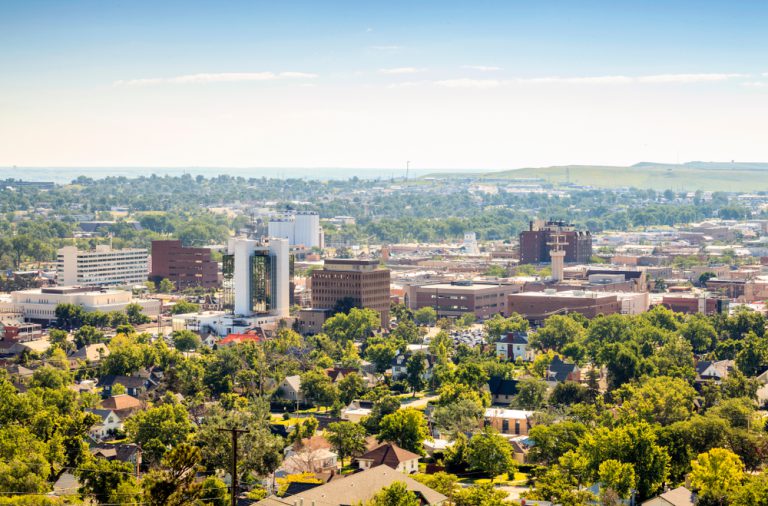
<point x="396" y="494"/>
<point x="356" y="325"/>
<point x="617" y="477"/>
<point x="552" y="441"/>
<point x="716" y="475"/>
<point x="484" y="494"/>
<point x="425" y="316"/>
<point x="442" y="482"/>
<point x="661" y="400"/>
<point x="86" y="335"/>
<point x="490" y="453"/>
<point x="184" y="307"/>
<point x="346" y="438"/>
<point x="531" y="393"/>
<point x="318" y="387"/>
<point x="498" y="326"/>
<point x="416" y="367"/>
<point x="407" y="428"/>
<point x="158" y="428"/>
<point x="173" y="484"/>
<point x="461" y="415"/>
<point x="186" y="340"/>
<point x="166" y="286"/>
<point x="754" y="492"/>
<point x="557" y="332"/>
<point x="69" y="316"/>
<point x="351" y="387"/>
<point x="101" y="479"/>
<point x="135" y="314"/>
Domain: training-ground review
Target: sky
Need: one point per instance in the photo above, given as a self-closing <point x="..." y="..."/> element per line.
<point x="480" y="85"/>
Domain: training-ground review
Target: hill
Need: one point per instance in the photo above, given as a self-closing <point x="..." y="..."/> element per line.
<point x="691" y="176"/>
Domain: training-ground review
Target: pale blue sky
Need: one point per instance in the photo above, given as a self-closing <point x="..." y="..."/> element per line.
<point x="371" y="84"/>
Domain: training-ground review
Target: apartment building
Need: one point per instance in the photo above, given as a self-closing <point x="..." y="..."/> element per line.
<point x="102" y="266"/>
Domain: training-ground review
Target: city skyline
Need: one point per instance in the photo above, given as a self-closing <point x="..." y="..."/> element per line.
<point x="303" y="84"/>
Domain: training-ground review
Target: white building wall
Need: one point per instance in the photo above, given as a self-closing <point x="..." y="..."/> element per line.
<point x="283" y="227"/>
<point x="307" y="230"/>
<point x="279" y="250"/>
<point x="103" y="266"/>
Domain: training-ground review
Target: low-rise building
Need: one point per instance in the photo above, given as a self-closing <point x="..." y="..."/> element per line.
<point x="389" y="454"/>
<point x="513" y="346"/>
<point x="509" y="421"/>
<point x="538" y="306"/>
<point x="452" y="300"/>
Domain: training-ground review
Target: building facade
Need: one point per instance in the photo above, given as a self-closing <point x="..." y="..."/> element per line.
<point x="457" y="298"/>
<point x="185" y="267"/>
<point x="535" y="243"/>
<point x="537" y="306"/>
<point x="257" y="277"/>
<point x="299" y="227"/>
<point x="360" y="282"/>
<point x="102" y="266"/>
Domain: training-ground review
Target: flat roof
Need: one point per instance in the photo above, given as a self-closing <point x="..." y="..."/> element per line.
<point x="579" y="294"/>
<point x="464" y="288"/>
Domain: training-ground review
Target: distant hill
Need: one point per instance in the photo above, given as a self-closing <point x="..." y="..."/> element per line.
<point x="690" y="176"/>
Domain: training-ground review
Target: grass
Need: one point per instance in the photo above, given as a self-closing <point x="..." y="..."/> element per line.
<point x="723" y="177"/>
<point x="503" y="479"/>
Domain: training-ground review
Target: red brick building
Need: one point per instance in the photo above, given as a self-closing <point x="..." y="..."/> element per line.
<point x="185" y="267"/>
<point x="361" y="282"/>
<point x="535" y="250"/>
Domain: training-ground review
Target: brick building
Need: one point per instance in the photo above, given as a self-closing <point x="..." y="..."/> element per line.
<point x="185" y="267"/>
<point x="537" y="306"/>
<point x="454" y="299"/>
<point x="535" y="250"/>
<point x="360" y="282"/>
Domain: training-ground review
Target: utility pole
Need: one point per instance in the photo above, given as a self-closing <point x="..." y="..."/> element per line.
<point x="138" y="463"/>
<point x="233" y="471"/>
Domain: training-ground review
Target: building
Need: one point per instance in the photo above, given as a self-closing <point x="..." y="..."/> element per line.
<point x="299" y="227"/>
<point x="513" y="346"/>
<point x="535" y="243"/>
<point x="503" y="391"/>
<point x="389" y="454"/>
<point x="515" y="422"/>
<point x="691" y="303"/>
<point x="103" y="266"/>
<point x="39" y="304"/>
<point x="537" y="306"/>
<point x="679" y="496"/>
<point x="454" y="299"/>
<point x="185" y="267"/>
<point x="361" y="283"/>
<point x="257" y="277"/>
<point x="357" y="488"/>
<point x="559" y="371"/>
<point x="309" y="321"/>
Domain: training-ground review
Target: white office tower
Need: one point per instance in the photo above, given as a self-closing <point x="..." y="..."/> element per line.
<point x="300" y="228"/>
<point x="257" y="277"/>
<point x="103" y="266"/>
<point x="470" y="244"/>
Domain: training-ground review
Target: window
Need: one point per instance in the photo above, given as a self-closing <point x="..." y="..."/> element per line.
<point x="505" y="426"/>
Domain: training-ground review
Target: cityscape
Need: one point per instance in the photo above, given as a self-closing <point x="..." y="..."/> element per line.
<point x="337" y="254"/>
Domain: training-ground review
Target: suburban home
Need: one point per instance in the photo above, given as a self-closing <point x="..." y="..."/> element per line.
<point x="122" y="405"/>
<point x="108" y="425"/>
<point x="290" y="389"/>
<point x="679" y="496"/>
<point x="357" y="488"/>
<point x="122" y="452"/>
<point x="559" y="371"/>
<point x="400" y="368"/>
<point x="714" y="370"/>
<point x="134" y="385"/>
<point x="391" y="455"/>
<point x="90" y="353"/>
<point x="513" y="346"/>
<point x="515" y="422"/>
<point x="502" y="390"/>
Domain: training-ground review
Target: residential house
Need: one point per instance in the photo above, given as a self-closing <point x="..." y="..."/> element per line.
<point x="391" y="455"/>
<point x="108" y="425"/>
<point x="122" y="452"/>
<point x="290" y="389"/>
<point x="679" y="496"/>
<point x="515" y="422"/>
<point x="399" y="366"/>
<point x="560" y="371"/>
<point x="122" y="405"/>
<point x="514" y="346"/>
<point x="357" y="488"/>
<point x="90" y="353"/>
<point x="250" y="335"/>
<point x="502" y="390"/>
<point x="134" y="385"/>
<point x="714" y="370"/>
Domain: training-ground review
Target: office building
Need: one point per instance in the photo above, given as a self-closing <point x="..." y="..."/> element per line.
<point x="39" y="304"/>
<point x="536" y="242"/>
<point x="185" y="267"/>
<point x="257" y="277"/>
<point x="102" y="266"/>
<point x="537" y="306"/>
<point x="299" y="227"/>
<point x="361" y="283"/>
<point x="457" y="298"/>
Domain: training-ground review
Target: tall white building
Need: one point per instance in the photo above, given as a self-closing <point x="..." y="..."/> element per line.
<point x="257" y="277"/>
<point x="103" y="266"/>
<point x="299" y="227"/>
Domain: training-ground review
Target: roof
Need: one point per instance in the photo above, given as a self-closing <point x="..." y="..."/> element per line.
<point x="389" y="454"/>
<point x="91" y="352"/>
<point x="679" y="496"/>
<point x="120" y="402"/>
<point x="515" y="338"/>
<point x="559" y="370"/>
<point x="512" y="414"/>
<point x="101" y="413"/>
<point x="252" y="335"/>
<point x="294" y="382"/>
<point x="126" y="381"/>
<point x="356" y="488"/>
<point x="501" y="386"/>
<point x="334" y="372"/>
